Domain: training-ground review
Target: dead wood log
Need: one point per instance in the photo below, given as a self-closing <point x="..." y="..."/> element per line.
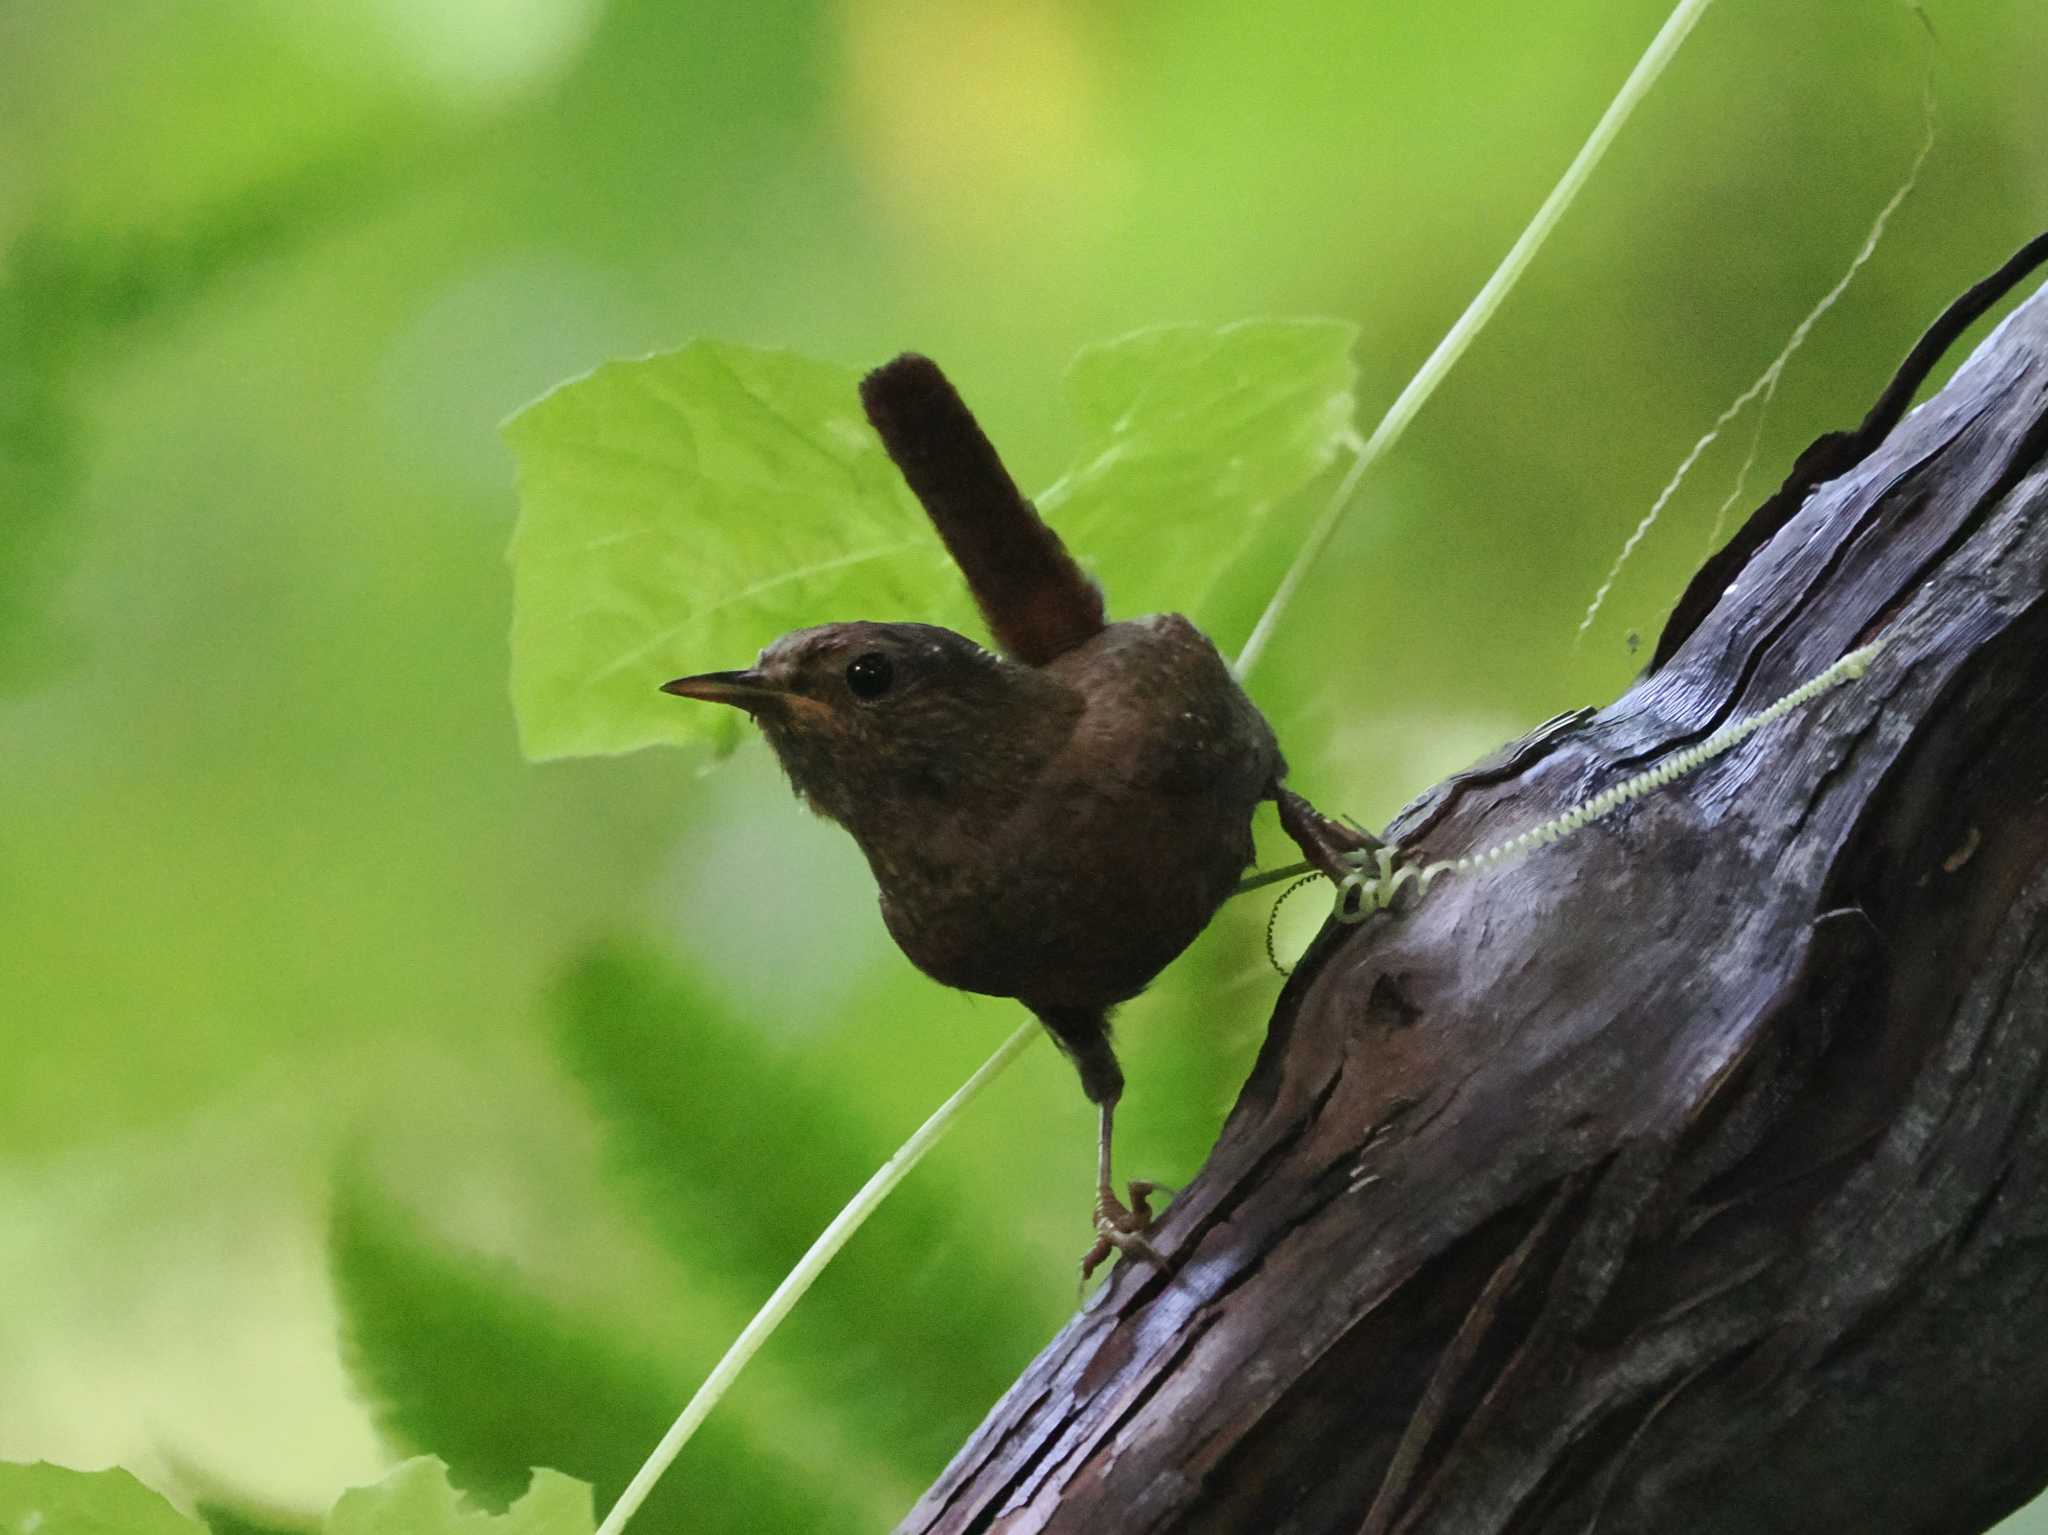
<point x="1690" y="1175"/>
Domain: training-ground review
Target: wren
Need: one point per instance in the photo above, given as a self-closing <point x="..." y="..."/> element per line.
<point x="1055" y="823"/>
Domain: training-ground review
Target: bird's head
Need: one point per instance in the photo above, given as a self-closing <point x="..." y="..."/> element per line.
<point x="872" y="718"/>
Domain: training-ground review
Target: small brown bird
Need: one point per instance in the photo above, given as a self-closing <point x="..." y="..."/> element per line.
<point x="1054" y="824"/>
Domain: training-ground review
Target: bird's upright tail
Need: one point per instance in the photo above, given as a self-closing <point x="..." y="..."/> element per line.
<point x="1037" y="601"/>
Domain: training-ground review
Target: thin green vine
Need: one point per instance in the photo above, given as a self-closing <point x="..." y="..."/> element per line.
<point x="805" y="1274"/>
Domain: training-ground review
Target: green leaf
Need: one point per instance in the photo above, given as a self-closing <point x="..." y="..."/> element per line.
<point x="676" y="513"/>
<point x="417" y="1499"/>
<point x="51" y="1500"/>
<point x="1195" y="434"/>
<point x="742" y="1155"/>
<point x="680" y="511"/>
<point x="460" y="1360"/>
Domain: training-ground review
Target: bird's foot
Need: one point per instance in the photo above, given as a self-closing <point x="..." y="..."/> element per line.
<point x="1334" y="847"/>
<point x="1120" y="1228"/>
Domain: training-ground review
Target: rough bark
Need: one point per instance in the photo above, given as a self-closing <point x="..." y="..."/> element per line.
<point x="1687" y="1175"/>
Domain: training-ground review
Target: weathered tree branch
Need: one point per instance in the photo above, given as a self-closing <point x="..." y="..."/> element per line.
<point x="1689" y="1175"/>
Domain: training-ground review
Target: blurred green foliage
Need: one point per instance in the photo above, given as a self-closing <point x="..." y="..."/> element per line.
<point x="278" y="887"/>
<point x="457" y="1354"/>
<point x="694" y="1102"/>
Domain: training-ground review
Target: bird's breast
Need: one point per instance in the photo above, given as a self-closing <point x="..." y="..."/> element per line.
<point x="1077" y="899"/>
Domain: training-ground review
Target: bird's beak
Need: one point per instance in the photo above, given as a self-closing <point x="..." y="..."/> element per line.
<point x="748" y="690"/>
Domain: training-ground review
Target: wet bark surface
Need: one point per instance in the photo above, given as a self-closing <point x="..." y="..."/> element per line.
<point x="1688" y="1174"/>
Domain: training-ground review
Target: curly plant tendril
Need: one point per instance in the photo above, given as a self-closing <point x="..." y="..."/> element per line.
<point x="1273" y="916"/>
<point x="1360" y="894"/>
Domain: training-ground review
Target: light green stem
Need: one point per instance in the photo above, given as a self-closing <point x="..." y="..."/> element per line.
<point x="1259" y="881"/>
<point x="1473" y="320"/>
<point x="801" y="1278"/>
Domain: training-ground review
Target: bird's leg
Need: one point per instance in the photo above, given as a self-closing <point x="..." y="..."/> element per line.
<point x="1327" y="844"/>
<point x="1083" y="1033"/>
<point x="1119" y="1227"/>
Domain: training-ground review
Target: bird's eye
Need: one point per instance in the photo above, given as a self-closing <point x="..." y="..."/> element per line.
<point x="869" y="675"/>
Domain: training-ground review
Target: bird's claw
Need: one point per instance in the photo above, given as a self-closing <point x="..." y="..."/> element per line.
<point x="1333" y="847"/>
<point x="1121" y="1228"/>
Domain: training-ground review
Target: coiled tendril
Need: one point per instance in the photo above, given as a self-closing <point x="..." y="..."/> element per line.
<point x="1360" y="894"/>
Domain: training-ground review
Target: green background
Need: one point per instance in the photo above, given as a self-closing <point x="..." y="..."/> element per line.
<point x="297" y="946"/>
